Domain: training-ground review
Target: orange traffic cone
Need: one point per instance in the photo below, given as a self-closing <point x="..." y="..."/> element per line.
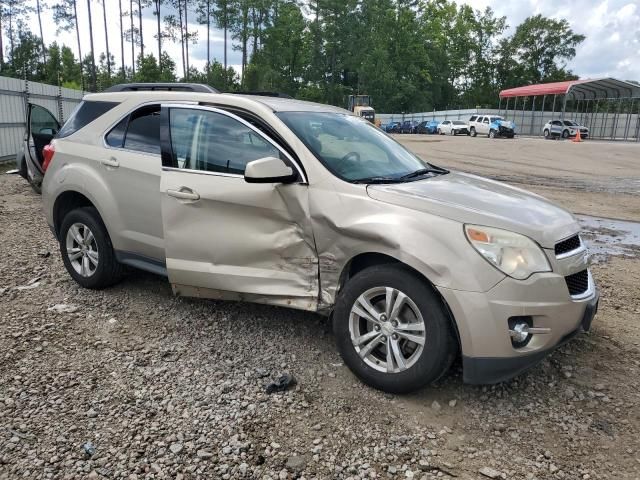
<point x="577" y="138"/>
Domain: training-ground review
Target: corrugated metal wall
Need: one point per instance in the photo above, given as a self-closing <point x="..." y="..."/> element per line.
<point x="603" y="125"/>
<point x="14" y="96"/>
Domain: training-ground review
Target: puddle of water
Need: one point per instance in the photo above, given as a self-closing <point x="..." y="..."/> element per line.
<point x="606" y="237"/>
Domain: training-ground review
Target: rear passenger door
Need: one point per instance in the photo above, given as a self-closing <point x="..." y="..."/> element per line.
<point x="484" y="126"/>
<point x="131" y="164"/>
<point x="224" y="237"/>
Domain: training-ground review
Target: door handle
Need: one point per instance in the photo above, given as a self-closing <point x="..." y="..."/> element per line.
<point x="184" y="193"/>
<point x="110" y="162"/>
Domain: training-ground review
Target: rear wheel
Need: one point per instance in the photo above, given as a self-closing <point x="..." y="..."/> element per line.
<point x="472" y="132"/>
<point x="392" y="330"/>
<point x="86" y="249"/>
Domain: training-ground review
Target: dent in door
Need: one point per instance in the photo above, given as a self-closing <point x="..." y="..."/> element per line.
<point x="284" y="233"/>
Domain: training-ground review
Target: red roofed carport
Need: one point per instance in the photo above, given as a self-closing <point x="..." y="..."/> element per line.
<point x="589" y="102"/>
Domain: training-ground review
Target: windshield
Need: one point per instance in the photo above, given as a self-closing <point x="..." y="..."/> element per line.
<point x="351" y="148"/>
<point x="458" y="122"/>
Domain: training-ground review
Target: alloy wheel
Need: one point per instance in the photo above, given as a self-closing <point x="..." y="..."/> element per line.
<point x="82" y="249"/>
<point x="387" y="329"/>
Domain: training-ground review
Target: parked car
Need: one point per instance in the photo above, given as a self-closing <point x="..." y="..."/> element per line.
<point x="408" y="126"/>
<point x="308" y="206"/>
<point x="393" y="127"/>
<point x="453" y="127"/>
<point x="491" y="126"/>
<point x="42" y="126"/>
<point x="428" y="126"/>
<point x="564" y="129"/>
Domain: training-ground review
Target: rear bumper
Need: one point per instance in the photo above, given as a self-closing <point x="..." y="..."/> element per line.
<point x="489" y="370"/>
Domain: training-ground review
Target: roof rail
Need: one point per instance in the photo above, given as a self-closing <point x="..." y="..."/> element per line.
<point x="173" y="87"/>
<point x="265" y="94"/>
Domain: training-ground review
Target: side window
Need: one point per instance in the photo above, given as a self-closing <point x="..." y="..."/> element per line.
<point x="115" y="138"/>
<point x="139" y="131"/>
<point x="485" y="120"/>
<point x="557" y="123"/>
<point x="42" y="121"/>
<point x="213" y="142"/>
<point x="143" y="132"/>
<point x="473" y="118"/>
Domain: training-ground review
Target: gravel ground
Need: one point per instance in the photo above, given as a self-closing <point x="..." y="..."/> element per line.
<point x="133" y="383"/>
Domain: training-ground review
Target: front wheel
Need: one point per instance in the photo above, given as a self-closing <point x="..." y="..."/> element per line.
<point x="392" y="330"/>
<point x="453" y="132"/>
<point x="492" y="134"/>
<point x="565" y="134"/>
<point x="546" y="133"/>
<point x="87" y="251"/>
<point x="472" y="132"/>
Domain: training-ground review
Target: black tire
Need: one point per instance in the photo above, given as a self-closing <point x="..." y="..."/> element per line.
<point x="546" y="133"/>
<point x="472" y="132"/>
<point x="440" y="344"/>
<point x="108" y="271"/>
<point x="492" y="134"/>
<point x="36" y="185"/>
<point x="22" y="171"/>
<point x="565" y="134"/>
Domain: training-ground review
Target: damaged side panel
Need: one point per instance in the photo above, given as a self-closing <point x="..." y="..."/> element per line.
<point x="254" y="240"/>
<point x="347" y="223"/>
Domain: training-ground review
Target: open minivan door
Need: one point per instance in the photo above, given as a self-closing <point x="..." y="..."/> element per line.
<point x="42" y="126"/>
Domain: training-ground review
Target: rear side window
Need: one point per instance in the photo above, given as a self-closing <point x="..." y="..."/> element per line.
<point x="473" y="118"/>
<point x="85" y="113"/>
<point x="139" y="131"/>
<point x="143" y="132"/>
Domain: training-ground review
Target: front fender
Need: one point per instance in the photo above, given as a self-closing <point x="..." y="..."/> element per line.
<point x="349" y="224"/>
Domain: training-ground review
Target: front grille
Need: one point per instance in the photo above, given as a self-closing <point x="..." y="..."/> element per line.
<point x="578" y="283"/>
<point x="567" y="245"/>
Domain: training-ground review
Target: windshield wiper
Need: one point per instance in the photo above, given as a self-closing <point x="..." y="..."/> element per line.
<point x="424" y="171"/>
<point x="372" y="180"/>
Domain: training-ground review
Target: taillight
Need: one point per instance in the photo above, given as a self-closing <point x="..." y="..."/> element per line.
<point x="47" y="154"/>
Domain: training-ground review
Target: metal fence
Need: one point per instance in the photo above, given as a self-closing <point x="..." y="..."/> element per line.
<point x="603" y="125"/>
<point x="15" y="95"/>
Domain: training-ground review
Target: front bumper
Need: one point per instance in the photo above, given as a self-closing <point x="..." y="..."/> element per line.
<point x="488" y="370"/>
<point x="482" y="319"/>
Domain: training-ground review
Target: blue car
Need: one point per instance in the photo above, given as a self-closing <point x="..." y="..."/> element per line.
<point x="502" y="128"/>
<point x="428" y="126"/>
<point x="393" y="127"/>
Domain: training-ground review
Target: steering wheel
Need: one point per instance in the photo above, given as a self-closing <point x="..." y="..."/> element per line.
<point x="351" y="157"/>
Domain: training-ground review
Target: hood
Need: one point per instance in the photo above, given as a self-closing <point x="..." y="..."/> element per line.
<point x="471" y="199"/>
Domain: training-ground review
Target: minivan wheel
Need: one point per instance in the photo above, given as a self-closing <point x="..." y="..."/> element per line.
<point x="473" y="132"/>
<point x="86" y="249"/>
<point x="392" y="330"/>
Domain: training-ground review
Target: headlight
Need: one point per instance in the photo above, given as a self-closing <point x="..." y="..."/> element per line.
<point x="514" y="254"/>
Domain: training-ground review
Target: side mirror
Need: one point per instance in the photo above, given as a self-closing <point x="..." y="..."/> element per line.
<point x="269" y="170"/>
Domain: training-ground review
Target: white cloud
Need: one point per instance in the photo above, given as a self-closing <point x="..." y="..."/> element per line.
<point x="612" y="46"/>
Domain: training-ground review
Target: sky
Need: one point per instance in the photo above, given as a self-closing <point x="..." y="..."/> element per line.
<point x="611" y="49"/>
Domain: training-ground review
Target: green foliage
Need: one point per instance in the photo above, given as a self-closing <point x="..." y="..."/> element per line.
<point x="408" y="55"/>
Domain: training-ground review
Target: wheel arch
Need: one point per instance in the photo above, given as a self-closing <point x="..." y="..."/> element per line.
<point x="365" y="260"/>
<point x="67" y="201"/>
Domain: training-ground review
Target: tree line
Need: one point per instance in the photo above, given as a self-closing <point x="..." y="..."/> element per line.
<point x="409" y="55"/>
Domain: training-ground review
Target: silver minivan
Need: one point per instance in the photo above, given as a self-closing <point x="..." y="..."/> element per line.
<point x="300" y="205"/>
